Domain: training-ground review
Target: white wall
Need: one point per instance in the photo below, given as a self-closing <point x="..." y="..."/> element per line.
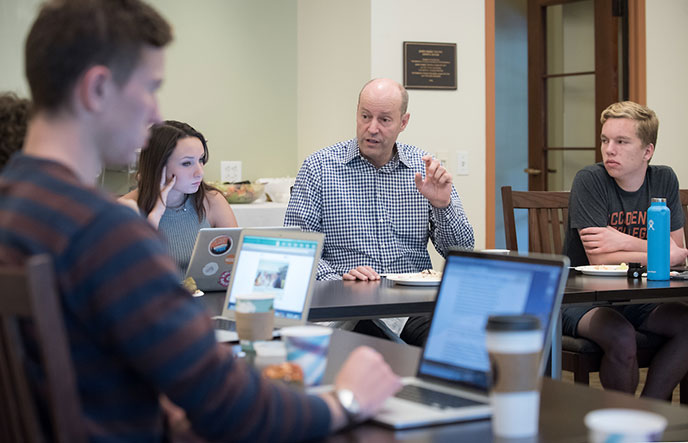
<point x="231" y="73"/>
<point x="15" y="18"/>
<point x="333" y="62"/>
<point x="441" y="121"/>
<point x="667" y="81"/>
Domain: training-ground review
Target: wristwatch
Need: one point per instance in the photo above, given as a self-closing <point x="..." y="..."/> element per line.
<point x="347" y="400"/>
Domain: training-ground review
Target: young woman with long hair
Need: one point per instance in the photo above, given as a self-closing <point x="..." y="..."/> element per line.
<point x="171" y="192"/>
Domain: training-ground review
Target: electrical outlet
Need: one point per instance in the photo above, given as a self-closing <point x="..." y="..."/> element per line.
<point x="461" y="163"/>
<point x="230" y="171"/>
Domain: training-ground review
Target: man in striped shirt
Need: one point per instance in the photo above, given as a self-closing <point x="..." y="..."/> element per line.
<point x="94" y="67"/>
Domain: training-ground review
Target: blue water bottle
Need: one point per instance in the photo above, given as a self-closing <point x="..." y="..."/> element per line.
<point x="658" y="226"/>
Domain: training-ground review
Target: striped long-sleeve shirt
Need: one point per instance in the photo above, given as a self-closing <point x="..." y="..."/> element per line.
<point x="134" y="333"/>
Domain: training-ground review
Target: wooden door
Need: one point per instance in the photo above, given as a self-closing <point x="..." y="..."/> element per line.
<point x="576" y="68"/>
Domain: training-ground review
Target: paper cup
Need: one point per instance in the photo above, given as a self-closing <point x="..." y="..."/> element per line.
<point x="514" y="345"/>
<point x="624" y="426"/>
<point x="307" y="347"/>
<point x="255" y="318"/>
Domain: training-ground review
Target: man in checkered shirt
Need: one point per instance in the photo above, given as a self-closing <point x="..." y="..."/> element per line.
<point x="378" y="201"/>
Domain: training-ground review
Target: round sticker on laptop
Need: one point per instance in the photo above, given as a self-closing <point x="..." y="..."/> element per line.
<point x="220" y="245"/>
<point x="210" y="268"/>
<point x="224" y="278"/>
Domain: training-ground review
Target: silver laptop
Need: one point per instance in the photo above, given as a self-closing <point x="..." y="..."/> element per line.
<point x="453" y="377"/>
<point x="213" y="257"/>
<point x="282" y="262"/>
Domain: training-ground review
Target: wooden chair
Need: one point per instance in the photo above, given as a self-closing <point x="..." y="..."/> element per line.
<point x="29" y="306"/>
<point x="547" y="218"/>
<point x="547" y="215"/>
<point x="683" y="194"/>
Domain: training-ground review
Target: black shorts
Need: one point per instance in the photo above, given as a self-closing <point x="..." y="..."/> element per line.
<point x="635" y="314"/>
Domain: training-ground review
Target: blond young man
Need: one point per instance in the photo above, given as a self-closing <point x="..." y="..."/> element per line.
<point x="607" y="225"/>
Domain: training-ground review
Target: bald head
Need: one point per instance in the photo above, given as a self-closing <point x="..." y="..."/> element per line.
<point x="380" y="117"/>
<point x="387" y="87"/>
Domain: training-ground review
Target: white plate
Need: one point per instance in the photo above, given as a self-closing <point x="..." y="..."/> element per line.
<point x="415" y="279"/>
<point x="604" y="270"/>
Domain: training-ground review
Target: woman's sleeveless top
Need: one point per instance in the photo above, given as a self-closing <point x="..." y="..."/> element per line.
<point x="180" y="227"/>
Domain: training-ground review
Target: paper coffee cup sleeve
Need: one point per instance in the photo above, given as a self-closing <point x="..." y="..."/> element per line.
<point x="255" y="326"/>
<point x="521" y="375"/>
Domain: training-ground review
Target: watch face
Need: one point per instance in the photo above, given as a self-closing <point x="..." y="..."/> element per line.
<point x="348" y="401"/>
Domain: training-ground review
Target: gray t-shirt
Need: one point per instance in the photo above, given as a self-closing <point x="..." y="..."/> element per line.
<point x="597" y="201"/>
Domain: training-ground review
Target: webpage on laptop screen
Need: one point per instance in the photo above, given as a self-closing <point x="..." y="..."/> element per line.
<point x="279" y="266"/>
<point x="472" y="290"/>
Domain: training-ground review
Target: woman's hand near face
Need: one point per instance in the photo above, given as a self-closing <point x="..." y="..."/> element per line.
<point x="161" y="204"/>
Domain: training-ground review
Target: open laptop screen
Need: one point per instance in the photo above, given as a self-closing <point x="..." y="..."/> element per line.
<point x="473" y="288"/>
<point x="279" y="265"/>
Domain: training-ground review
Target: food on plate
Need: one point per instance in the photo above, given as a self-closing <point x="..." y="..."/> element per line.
<point x="190" y="285"/>
<point x="431" y="272"/>
<point x="286" y="372"/>
<point x="621" y="267"/>
<point x="427" y="275"/>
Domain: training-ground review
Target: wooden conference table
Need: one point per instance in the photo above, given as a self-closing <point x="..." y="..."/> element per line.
<point x="563" y="405"/>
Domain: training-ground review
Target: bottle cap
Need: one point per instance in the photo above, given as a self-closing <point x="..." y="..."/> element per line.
<point x="658" y="200"/>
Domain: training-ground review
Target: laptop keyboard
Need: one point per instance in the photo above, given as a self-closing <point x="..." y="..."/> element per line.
<point x="224" y="324"/>
<point x="434" y="398"/>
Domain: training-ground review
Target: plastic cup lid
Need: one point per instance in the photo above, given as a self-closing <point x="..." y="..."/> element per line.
<point x="507" y="323"/>
<point x="625" y="421"/>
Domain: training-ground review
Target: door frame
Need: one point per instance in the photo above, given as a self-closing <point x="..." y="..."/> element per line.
<point x="637" y="92"/>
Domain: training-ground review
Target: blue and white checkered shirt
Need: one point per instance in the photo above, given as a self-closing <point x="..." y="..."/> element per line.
<point x="370" y="216"/>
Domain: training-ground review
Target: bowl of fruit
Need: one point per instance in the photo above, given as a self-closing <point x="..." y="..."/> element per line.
<point x="241" y="192"/>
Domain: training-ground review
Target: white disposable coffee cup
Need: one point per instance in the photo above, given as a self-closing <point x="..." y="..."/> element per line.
<point x="624" y="425"/>
<point x="514" y="344"/>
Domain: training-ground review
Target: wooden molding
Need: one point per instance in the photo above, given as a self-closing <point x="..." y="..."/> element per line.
<point x="489" y="123"/>
<point x="637" y="61"/>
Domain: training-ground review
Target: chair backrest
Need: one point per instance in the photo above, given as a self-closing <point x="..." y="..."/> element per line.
<point x="29" y="307"/>
<point x="683" y="193"/>
<point x="547" y="216"/>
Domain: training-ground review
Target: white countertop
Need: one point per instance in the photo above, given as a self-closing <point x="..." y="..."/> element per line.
<point x="259" y="214"/>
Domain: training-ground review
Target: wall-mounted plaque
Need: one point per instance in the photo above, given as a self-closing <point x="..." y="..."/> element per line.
<point x="429" y="65"/>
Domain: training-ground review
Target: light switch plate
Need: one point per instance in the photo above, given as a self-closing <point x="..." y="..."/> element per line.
<point x="461" y="163"/>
